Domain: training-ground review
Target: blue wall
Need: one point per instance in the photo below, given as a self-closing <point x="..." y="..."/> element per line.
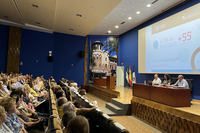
<point x="128" y="49"/>
<point x="66" y="53"/>
<point x="4" y="36"/>
<point x="35" y="46"/>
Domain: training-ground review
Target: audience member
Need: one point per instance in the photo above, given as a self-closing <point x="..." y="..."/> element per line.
<point x="66" y="118"/>
<point x="12" y="121"/>
<point x="5" y="85"/>
<point x="78" y="124"/>
<point x="69" y="106"/>
<point x="61" y="102"/>
<point x="2" y="93"/>
<point x="3" y="127"/>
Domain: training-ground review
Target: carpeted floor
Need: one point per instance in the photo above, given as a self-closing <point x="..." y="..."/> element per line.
<point x="131" y="125"/>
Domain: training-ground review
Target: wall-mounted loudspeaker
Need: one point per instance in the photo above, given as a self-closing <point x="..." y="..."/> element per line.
<point x="82" y="54"/>
<point x="50" y="58"/>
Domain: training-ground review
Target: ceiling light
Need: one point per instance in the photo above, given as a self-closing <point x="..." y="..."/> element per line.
<point x="79" y="15"/>
<point x="6" y="17"/>
<point x="148" y="5"/>
<point x="116" y="26"/>
<point x="129" y="18"/>
<point x="109" y="31"/>
<point x="37" y="23"/>
<point x="35" y="5"/>
<point x="138" y="12"/>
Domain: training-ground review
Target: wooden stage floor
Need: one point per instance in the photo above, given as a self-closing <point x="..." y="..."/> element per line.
<point x="126" y="96"/>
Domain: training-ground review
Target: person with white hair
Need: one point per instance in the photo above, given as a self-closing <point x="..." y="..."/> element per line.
<point x="69" y="106"/>
<point x="181" y="82"/>
<point x="156" y="80"/>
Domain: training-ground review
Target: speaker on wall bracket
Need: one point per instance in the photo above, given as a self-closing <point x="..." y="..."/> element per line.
<point x="82" y="54"/>
<point x="50" y="58"/>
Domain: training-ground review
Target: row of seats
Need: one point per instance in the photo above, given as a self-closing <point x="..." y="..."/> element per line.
<point x="54" y="124"/>
<point x="98" y="120"/>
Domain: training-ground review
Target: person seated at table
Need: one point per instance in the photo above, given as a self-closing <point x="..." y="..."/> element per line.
<point x="181" y="82"/>
<point x="167" y="80"/>
<point x="156" y="80"/>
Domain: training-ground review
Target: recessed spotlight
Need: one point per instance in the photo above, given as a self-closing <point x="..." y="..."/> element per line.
<point x="71" y="29"/>
<point x="79" y="15"/>
<point x="109" y="31"/>
<point x="6" y="17"/>
<point x="91" y="6"/>
<point x="37" y="23"/>
<point x="129" y="18"/>
<point x="116" y="26"/>
<point x="148" y="5"/>
<point x="138" y="12"/>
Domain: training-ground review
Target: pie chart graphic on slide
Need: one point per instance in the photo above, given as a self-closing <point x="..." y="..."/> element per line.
<point x="192" y="60"/>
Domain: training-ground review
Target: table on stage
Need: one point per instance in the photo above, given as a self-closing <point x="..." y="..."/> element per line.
<point x="175" y="97"/>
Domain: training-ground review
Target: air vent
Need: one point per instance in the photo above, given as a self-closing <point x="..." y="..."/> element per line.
<point x="35" y="5"/>
<point x="154" y="2"/>
<point x="123" y="22"/>
<point x="6" y="17"/>
<point x="37" y="23"/>
<point x="71" y="29"/>
<point x="79" y="15"/>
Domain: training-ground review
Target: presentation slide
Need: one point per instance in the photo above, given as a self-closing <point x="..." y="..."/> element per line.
<point x="172" y="45"/>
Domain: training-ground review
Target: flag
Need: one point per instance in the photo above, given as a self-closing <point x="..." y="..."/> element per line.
<point x="127" y="82"/>
<point x="134" y="78"/>
<point x="130" y="77"/>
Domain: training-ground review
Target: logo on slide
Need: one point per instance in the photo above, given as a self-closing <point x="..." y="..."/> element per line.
<point x="157" y="28"/>
<point x="184" y="17"/>
<point x="155" y="44"/>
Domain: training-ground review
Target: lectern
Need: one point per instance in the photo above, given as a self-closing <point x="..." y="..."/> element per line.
<point x="110" y="83"/>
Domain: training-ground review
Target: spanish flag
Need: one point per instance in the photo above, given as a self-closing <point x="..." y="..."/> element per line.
<point x="130" y="77"/>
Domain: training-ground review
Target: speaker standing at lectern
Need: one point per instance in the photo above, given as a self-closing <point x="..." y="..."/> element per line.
<point x="156" y="80"/>
<point x="181" y="82"/>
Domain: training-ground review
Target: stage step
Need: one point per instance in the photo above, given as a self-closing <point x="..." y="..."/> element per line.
<point x="107" y="111"/>
<point x="118" y="108"/>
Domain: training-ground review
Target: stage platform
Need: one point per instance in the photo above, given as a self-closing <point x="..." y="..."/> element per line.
<point x="126" y="97"/>
<point x="163" y="117"/>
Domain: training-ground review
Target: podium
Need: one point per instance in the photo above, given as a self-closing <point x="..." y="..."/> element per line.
<point x="110" y="82"/>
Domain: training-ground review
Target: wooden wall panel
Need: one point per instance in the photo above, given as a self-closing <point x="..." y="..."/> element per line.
<point x="85" y="61"/>
<point x="14" y="49"/>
